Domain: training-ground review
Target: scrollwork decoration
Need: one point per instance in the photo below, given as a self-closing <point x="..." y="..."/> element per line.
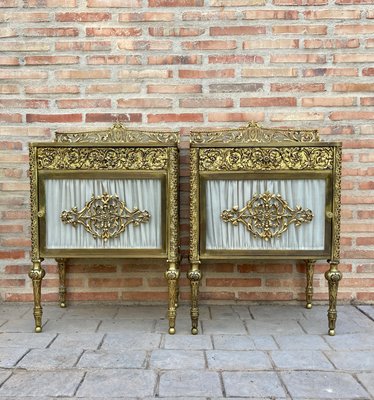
<point x="267" y="215"/>
<point x="254" y="133"/>
<point x="105" y="216"/>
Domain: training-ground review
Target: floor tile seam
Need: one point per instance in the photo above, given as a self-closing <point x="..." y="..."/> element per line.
<point x="362" y="385"/>
<point x="363" y="312"/>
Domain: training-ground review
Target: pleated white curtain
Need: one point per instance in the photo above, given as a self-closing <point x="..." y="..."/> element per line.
<point x="224" y="194"/>
<point x="63" y="194"/>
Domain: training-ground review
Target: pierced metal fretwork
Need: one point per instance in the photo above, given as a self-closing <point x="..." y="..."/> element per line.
<point x="267" y="215"/>
<point x="105" y="216"/>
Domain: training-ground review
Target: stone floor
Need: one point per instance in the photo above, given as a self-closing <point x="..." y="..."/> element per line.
<point x="97" y="351"/>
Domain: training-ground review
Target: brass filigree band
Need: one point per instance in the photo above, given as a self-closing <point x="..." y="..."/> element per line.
<point x="100" y="158"/>
<point x="254" y="133"/>
<point x="267" y="215"/>
<point x="105" y="216"/>
<point x="119" y="134"/>
<point x="266" y="158"/>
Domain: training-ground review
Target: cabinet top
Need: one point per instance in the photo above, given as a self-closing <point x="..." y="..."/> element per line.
<point x="121" y="135"/>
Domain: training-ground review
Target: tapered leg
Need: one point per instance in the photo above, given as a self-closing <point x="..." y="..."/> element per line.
<point x="333" y="276"/>
<point x="61" y="263"/>
<point x="194" y="275"/>
<point x="172" y="276"/>
<point x="37" y="274"/>
<point x="309" y="282"/>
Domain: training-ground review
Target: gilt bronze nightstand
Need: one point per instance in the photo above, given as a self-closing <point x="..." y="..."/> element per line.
<point x="105" y="194"/>
<point x="263" y="193"/>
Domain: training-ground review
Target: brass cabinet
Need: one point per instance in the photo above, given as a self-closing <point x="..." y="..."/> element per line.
<point x="262" y="193"/>
<point x="105" y="194"/>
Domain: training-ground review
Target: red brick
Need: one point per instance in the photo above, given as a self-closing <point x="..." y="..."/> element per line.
<point x="156" y="118"/>
<point x="354" y="29"/>
<point x="233" y="59"/>
<point x="145" y="45"/>
<point x="366" y="296"/>
<point x="208" y="16"/>
<point x="298" y="116"/>
<point x="113" y="31"/>
<point x="298" y="58"/>
<point x="353" y="58"/>
<point x="235" y="117"/>
<point x="24" y="16"/>
<point x="8" y="3"/>
<point x="174" y="89"/>
<point x="233" y="282"/>
<point x="269" y="296"/>
<point x="175" y="32"/>
<point x="351" y="115"/>
<point x="365" y="268"/>
<point x="271" y="44"/>
<point x="47" y="60"/>
<point x="89" y="296"/>
<point x="113" y="88"/>
<point x="210" y="45"/>
<point x="84" y="103"/>
<point x="113" y="3"/>
<point x="328" y="102"/>
<point x="49" y="3"/>
<point x="18" y="242"/>
<point x="24" y="46"/>
<point x="220" y="295"/>
<point x="60" y="89"/>
<point x="205" y="103"/>
<point x="270" y="14"/>
<point x="235" y="87"/>
<point x="145" y="103"/>
<point x="145" y="74"/>
<point x="83" y="74"/>
<point x="365" y="241"/>
<point x="208" y="74"/>
<point x="176" y="3"/>
<point x="300" y="2"/>
<point x="9" y="89"/>
<point x="265" y="268"/>
<point x="367" y="101"/>
<point x="331" y="43"/>
<point x="146" y="17"/>
<point x="236" y="3"/>
<point x="269" y="72"/>
<point x="237" y="30"/>
<point x="83" y="16"/>
<point x="291" y="282"/>
<point x="333" y="14"/>
<point x="268" y="102"/>
<point x="7" y="60"/>
<point x="301" y="87"/>
<point x="106" y="117"/>
<point x="10" y="118"/>
<point x="368" y="71"/>
<point x="50" y="32"/>
<point x="12" y="254"/>
<point x="114" y="282"/>
<point x="174" y="59"/>
<point x="369" y="43"/>
<point x="144" y="296"/>
<point x="25" y="74"/>
<point x="114" y="60"/>
<point x="353" y="87"/>
<point x="300" y="29"/>
<point x="83" y="46"/>
<point x="50" y="118"/>
<point x="311" y="72"/>
<point x="24" y="103"/>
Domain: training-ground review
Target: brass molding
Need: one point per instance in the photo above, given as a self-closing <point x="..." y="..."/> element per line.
<point x="266" y="158"/>
<point x="105" y="216"/>
<point x="267" y="215"/>
<point x="119" y="134"/>
<point x="254" y="133"/>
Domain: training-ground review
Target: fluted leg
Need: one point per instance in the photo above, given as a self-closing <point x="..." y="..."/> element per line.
<point x="37" y="273"/>
<point x="333" y="276"/>
<point x="309" y="282"/>
<point x="61" y="263"/>
<point x="172" y="276"/>
<point x="194" y="275"/>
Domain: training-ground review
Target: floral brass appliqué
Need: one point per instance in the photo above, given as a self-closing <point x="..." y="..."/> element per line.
<point x="105" y="216"/>
<point x="267" y="215"/>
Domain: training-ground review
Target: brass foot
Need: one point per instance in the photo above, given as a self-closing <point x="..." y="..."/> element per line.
<point x="171" y="331"/>
<point x="194" y="331"/>
<point x="332" y="332"/>
<point x="63" y="305"/>
<point x="308" y="306"/>
<point x="38" y="329"/>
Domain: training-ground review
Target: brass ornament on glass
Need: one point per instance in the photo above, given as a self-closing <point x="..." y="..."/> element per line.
<point x="267" y="215"/>
<point x="115" y="153"/>
<point x="105" y="216"/>
<point x="253" y="152"/>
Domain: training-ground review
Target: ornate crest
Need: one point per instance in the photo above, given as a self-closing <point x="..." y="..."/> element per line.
<point x="267" y="215"/>
<point x="105" y="216"/>
<point x="119" y="134"/>
<point x="254" y="133"/>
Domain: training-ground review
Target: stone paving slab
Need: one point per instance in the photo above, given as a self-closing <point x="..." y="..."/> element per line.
<point x="177" y="359"/>
<point x="232" y="327"/>
<point x="301" y="359"/>
<point x="278" y="312"/>
<point x="243" y="342"/>
<point x="30" y="340"/>
<point x="352" y="342"/>
<point x="253" y="384"/>
<point x="42" y="383"/>
<point x="118" y="382"/>
<point x="222" y="360"/>
<point x="194" y="383"/>
<point x="301" y="342"/>
<point x="85" y="341"/>
<point x="50" y="359"/>
<point x="74" y="325"/>
<point x="128" y="325"/>
<point x="131" y="340"/>
<point x="360" y="360"/>
<point x="113" y="359"/>
<point x="9" y="356"/>
<point x="188" y="342"/>
<point x="367" y="380"/>
<point x="277" y="327"/>
<point x="323" y="385"/>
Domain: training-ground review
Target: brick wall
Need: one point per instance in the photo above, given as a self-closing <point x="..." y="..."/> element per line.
<point x="182" y="64"/>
